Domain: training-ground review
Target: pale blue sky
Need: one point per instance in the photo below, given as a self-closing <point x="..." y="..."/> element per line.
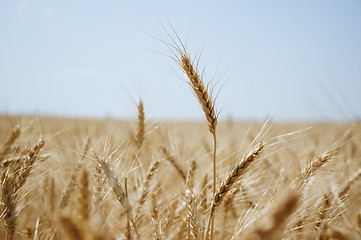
<point x="295" y="60"/>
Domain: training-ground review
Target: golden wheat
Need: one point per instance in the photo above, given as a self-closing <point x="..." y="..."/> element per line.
<point x="70" y="188"/>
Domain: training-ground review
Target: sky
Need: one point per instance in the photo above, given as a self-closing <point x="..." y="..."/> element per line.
<point x="287" y="60"/>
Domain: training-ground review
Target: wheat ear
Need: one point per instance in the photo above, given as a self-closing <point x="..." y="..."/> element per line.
<point x="8" y="196"/>
<point x="145" y="190"/>
<point x="9" y="142"/>
<point x="84" y="196"/>
<point x="139" y="137"/>
<point x="29" y="162"/>
<point x="200" y="91"/>
<point x="229" y="200"/>
<point x="67" y="192"/>
<point x="173" y="162"/>
<point x="321" y="214"/>
<point x="349" y="183"/>
<point x="180" y="231"/>
<point x="52" y="198"/>
<point x="315" y="165"/>
<point x="203" y="193"/>
<point x="190" y="176"/>
<point x="170" y="218"/>
<point x="190" y="203"/>
<point x="117" y="190"/>
<point x="236" y="173"/>
<point x="155" y="212"/>
<point x="72" y="229"/>
<point x="113" y="182"/>
<point x="191" y="212"/>
<point x="232" y="178"/>
<point x="272" y="222"/>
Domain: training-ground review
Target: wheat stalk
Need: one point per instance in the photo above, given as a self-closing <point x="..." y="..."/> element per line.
<point x="207" y="103"/>
<point x="232" y="178"/>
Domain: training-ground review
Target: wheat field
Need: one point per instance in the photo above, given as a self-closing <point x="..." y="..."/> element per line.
<point x="93" y="179"/>
<point x="143" y="179"/>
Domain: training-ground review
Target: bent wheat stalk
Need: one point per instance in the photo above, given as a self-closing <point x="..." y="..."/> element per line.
<point x="117" y="189"/>
<point x="174" y="163"/>
<point x="271" y="223"/>
<point x="349" y="183"/>
<point x="232" y="178"/>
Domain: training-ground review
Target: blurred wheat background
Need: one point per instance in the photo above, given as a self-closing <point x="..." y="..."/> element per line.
<point x="198" y="120"/>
